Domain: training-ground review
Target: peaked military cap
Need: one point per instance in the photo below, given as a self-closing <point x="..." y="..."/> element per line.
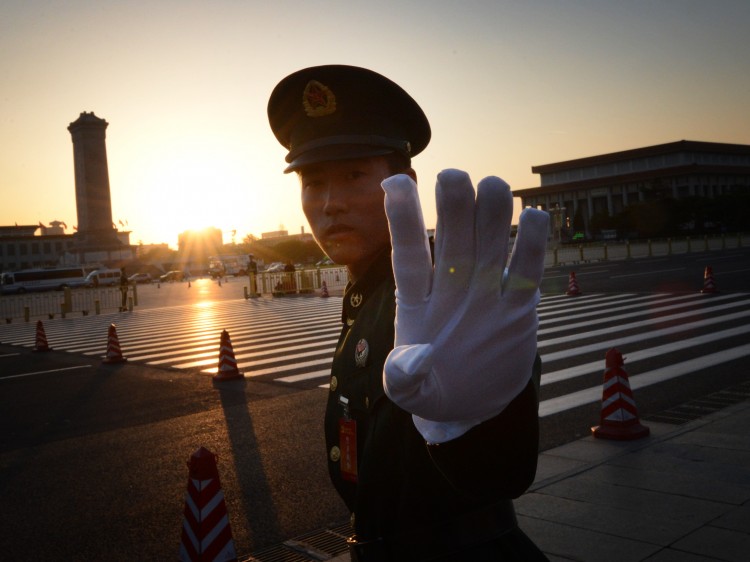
<point x="337" y="112"/>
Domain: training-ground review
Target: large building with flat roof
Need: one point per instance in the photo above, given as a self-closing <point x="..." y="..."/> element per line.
<point x="609" y="183"/>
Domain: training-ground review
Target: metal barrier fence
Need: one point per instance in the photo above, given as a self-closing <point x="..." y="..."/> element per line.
<point x="299" y="282"/>
<point x="96" y="300"/>
<point x="53" y="303"/>
<point x="584" y="253"/>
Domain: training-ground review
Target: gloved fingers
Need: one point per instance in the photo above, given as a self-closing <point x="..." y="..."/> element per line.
<point x="527" y="263"/>
<point x="494" y="210"/>
<point x="412" y="263"/>
<point x="454" y="237"/>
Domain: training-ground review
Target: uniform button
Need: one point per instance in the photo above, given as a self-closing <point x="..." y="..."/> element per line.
<point x="335" y="454"/>
<point x="334" y="383"/>
<point x="367" y="401"/>
<point x="351" y="520"/>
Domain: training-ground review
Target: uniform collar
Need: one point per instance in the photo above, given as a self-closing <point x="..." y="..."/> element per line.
<point x="357" y="293"/>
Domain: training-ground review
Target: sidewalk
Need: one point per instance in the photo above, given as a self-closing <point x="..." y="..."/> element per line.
<point x="680" y="494"/>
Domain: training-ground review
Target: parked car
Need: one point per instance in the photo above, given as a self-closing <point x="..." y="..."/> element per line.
<point x="140" y="278"/>
<point x="172" y="276"/>
<point x="275" y="267"/>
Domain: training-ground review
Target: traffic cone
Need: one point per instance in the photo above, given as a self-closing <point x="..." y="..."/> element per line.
<point x="573" y="290"/>
<point x="114" y="353"/>
<point x="708" y="281"/>
<point x="227" y="363"/>
<point x="41" y="338"/>
<point x="206" y="534"/>
<point x="324" y="290"/>
<point x="619" y="415"/>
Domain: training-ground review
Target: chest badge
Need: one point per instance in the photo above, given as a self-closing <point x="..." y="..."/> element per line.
<point x="361" y="351"/>
<point x="355" y="300"/>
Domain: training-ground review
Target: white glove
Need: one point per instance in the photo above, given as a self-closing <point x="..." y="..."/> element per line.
<point x="465" y="333"/>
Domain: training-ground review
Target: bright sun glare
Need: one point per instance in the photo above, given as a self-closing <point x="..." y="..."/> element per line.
<point x="190" y="186"/>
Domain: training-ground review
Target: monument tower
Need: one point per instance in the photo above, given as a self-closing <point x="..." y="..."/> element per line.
<point x="96" y="237"/>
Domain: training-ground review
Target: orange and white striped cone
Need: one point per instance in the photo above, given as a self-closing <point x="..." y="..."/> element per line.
<point x="324" y="290"/>
<point x="573" y="290"/>
<point x="114" y="353"/>
<point x="227" y="362"/>
<point x="206" y="534"/>
<point x="41" y="338"/>
<point x="709" y="286"/>
<point x="619" y="415"/>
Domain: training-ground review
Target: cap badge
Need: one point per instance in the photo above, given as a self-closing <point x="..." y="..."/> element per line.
<point x="360" y="353"/>
<point x="318" y="100"/>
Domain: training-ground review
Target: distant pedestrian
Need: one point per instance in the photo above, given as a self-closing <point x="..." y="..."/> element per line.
<point x="289" y="285"/>
<point x="123" y="289"/>
<point x="252" y="273"/>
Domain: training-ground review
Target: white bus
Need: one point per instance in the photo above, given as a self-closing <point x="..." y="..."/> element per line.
<point x="103" y="278"/>
<point x="42" y="279"/>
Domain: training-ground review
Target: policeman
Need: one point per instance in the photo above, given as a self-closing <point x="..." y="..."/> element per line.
<point x="431" y="423"/>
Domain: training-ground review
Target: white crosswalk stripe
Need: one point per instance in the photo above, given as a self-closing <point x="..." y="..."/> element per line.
<point x="292" y="340"/>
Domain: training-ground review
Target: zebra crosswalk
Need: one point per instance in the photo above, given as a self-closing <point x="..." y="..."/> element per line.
<point x="662" y="335"/>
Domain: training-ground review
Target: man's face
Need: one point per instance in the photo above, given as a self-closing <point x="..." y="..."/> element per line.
<point x="343" y="203"/>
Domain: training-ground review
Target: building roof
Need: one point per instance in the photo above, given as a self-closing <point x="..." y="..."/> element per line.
<point x="655" y="150"/>
<point x="678" y="168"/>
<point x="22" y="230"/>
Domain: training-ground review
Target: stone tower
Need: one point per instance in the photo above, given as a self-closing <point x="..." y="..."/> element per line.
<point x="96" y="231"/>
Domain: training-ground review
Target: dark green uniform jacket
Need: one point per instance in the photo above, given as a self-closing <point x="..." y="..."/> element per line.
<point x="406" y="490"/>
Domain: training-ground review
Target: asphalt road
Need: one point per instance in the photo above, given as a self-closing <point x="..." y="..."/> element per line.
<point x="93" y="456"/>
<point x="93" y="461"/>
<point x="675" y="273"/>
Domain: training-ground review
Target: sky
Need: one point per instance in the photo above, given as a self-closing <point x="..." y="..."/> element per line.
<point x="506" y="85"/>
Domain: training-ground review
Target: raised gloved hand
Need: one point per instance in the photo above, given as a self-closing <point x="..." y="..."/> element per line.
<point x="465" y="332"/>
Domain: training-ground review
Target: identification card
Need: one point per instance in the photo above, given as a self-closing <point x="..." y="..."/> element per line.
<point x="348" y="446"/>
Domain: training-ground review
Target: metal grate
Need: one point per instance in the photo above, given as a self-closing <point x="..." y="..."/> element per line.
<point x="325" y="541"/>
<point x="703" y="406"/>
<point x="318" y="545"/>
<point x="277" y="553"/>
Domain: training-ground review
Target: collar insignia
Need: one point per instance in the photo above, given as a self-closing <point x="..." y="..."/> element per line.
<point x="318" y="100"/>
<point x="355" y="300"/>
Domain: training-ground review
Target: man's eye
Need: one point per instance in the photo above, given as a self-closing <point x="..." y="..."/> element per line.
<point x="355" y="174"/>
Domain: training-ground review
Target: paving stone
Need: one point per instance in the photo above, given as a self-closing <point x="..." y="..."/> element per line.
<point x="720" y="543"/>
<point x="568" y="543"/>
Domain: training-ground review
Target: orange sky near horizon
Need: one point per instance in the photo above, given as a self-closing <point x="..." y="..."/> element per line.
<point x="506" y="85"/>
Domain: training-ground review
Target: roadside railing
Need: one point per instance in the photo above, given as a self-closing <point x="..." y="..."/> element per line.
<point x="53" y="303"/>
<point x="97" y="300"/>
<point x="603" y="251"/>
<point x="304" y="281"/>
